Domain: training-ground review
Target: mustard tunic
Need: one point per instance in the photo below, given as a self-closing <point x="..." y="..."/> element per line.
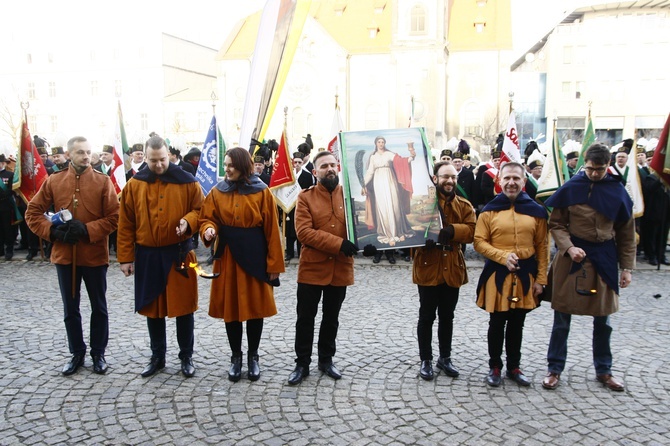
<point x="236" y="295"/>
<point x="499" y="233"/>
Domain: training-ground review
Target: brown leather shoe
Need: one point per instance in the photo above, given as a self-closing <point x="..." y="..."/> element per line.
<point x="551" y="380"/>
<point x="610" y="382"/>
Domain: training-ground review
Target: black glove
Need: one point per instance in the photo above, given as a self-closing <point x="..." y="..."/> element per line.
<point x="430" y="243"/>
<point x="77" y="227"/>
<point x="446" y="235"/>
<point x="369" y="250"/>
<point x="58" y="233"/>
<point x="348" y="248"/>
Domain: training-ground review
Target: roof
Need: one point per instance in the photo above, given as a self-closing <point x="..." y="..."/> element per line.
<point x="347" y="22"/>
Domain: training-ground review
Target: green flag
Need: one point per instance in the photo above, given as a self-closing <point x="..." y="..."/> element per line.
<point x="589" y="138"/>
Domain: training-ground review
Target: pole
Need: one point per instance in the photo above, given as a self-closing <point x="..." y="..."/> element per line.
<point x="75" y="202"/>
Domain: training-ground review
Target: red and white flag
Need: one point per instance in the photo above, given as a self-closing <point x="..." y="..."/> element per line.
<point x="282" y="171"/>
<point x="32" y="171"/>
<point x="510" y="149"/>
<point x="118" y="173"/>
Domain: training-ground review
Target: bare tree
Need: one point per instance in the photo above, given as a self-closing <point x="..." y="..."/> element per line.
<point x="11" y="121"/>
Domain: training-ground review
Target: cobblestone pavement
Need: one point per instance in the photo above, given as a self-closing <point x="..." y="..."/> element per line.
<point x="379" y="400"/>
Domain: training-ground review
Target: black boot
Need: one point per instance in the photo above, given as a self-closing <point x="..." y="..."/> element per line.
<point x="9" y="253"/>
<point x="235" y="372"/>
<point x="254" y="372"/>
<point x="31" y="254"/>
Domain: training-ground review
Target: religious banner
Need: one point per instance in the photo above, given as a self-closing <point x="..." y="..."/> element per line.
<point x="390" y="198"/>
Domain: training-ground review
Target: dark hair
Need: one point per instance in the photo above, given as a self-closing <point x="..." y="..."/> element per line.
<point x="155" y="143"/>
<point x="597" y="153"/>
<point x="321" y="155"/>
<point x="241" y="159"/>
<point x="437" y="166"/>
<point x="515" y="165"/>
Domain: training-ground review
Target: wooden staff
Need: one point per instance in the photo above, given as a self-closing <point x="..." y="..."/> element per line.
<point x="75" y="202"/>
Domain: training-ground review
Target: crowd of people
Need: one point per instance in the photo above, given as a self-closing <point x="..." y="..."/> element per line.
<point x="162" y="211"/>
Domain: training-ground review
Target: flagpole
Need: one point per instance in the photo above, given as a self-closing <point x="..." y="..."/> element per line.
<point x="284" y="213"/>
<point x="511" y="101"/>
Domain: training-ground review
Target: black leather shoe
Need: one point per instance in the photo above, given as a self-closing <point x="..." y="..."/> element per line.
<point x="426" y="371"/>
<point x="445" y="365"/>
<point x="518" y="376"/>
<point x="665" y="261"/>
<point x="391" y="260"/>
<point x="155" y="364"/>
<point x="298" y="375"/>
<point x="235" y="371"/>
<point x="99" y="364"/>
<point x="9" y="254"/>
<point x="653" y="261"/>
<point x="377" y="258"/>
<point x="254" y="372"/>
<point x="494" y="379"/>
<point x="187" y="367"/>
<point x="72" y="366"/>
<point x="31" y="255"/>
<point x="330" y="370"/>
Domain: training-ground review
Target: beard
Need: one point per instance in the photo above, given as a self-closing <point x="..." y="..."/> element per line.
<point x="330" y="183"/>
<point x="446" y="194"/>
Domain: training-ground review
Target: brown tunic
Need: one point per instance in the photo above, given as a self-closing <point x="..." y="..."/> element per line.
<point x="236" y="295"/>
<point x="586" y="223"/>
<point x="150" y="214"/>
<point x="435" y="266"/>
<point x="97" y="208"/>
<point x="321" y="227"/>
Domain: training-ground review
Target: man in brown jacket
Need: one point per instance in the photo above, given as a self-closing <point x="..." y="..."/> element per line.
<point x="439" y="271"/>
<point x="326" y="267"/>
<point x="159" y="214"/>
<point x="79" y="246"/>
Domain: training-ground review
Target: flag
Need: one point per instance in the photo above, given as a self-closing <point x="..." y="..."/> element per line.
<point x="282" y="171"/>
<point x="335" y="129"/>
<point x="510" y="148"/>
<point x="118" y="173"/>
<point x="633" y="185"/>
<point x="554" y="172"/>
<point x="660" y="162"/>
<point x="30" y="165"/>
<point x="222" y="153"/>
<point x="589" y="138"/>
<point x="207" y="167"/>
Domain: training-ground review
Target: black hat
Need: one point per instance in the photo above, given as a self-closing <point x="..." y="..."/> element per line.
<point x="649" y="153"/>
<point x="466" y="157"/>
<point x="57" y="151"/>
<point x="42" y="151"/>
<point x="259" y="159"/>
<point x="2" y="158"/>
<point x="308" y="141"/>
<point x="273" y="145"/>
<point x="298" y="155"/>
<point x="572" y="155"/>
<point x="463" y="147"/>
<point x="499" y="141"/>
<point x="624" y="149"/>
<point x="628" y="144"/>
<point x="39" y="142"/>
<point x="535" y="163"/>
<point x="496" y="154"/>
<point x="446" y="152"/>
<point x="458" y="155"/>
<point x="191" y="153"/>
<point x="304" y="148"/>
<point x="174" y="151"/>
<point x="107" y="149"/>
<point x="137" y="148"/>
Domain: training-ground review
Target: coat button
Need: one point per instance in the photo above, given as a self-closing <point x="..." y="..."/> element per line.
<point x="332" y="226"/>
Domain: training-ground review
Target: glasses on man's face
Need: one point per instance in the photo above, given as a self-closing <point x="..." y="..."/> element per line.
<point x="595" y="169"/>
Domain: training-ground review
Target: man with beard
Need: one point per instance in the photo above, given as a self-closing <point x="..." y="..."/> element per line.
<point x="511" y="233"/>
<point x="439" y="271"/>
<point x="326" y="267"/>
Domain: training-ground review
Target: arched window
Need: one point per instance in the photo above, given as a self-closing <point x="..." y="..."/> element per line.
<point x="417" y="24"/>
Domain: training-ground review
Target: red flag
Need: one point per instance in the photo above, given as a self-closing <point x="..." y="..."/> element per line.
<point x="33" y="172"/>
<point x="660" y="162"/>
<point x="282" y="172"/>
<point x="510" y="148"/>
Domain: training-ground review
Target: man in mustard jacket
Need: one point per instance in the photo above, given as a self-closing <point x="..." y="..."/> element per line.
<point x="326" y="267"/>
<point x="79" y="246"/>
<point x="439" y="271"/>
<point x="159" y="214"/>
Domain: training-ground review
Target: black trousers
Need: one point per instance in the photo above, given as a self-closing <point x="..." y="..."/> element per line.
<point x="254" y="333"/>
<point x="443" y="299"/>
<point x="7" y="235"/>
<point x="95" y="278"/>
<point x="307" y="307"/>
<point x="184" y="336"/>
<point x="510" y="335"/>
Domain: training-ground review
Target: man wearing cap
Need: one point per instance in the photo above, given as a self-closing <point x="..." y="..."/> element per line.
<point x="79" y="246"/>
<point x="60" y="160"/>
<point x="571" y="159"/>
<point x="620" y="169"/>
<point x="136" y="160"/>
<point x="107" y="157"/>
<point x="535" y="164"/>
<point x="306" y="180"/>
<point x="466" y="179"/>
<point x="159" y="212"/>
<point x="193" y="157"/>
<point x="175" y="158"/>
<point x="259" y="169"/>
<point x="488" y="175"/>
<point x="445" y="155"/>
<point x="42" y="147"/>
<point x="8" y="210"/>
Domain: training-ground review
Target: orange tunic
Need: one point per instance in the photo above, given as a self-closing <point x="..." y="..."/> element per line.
<point x="236" y="295"/>
<point x="97" y="208"/>
<point x="150" y="214"/>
